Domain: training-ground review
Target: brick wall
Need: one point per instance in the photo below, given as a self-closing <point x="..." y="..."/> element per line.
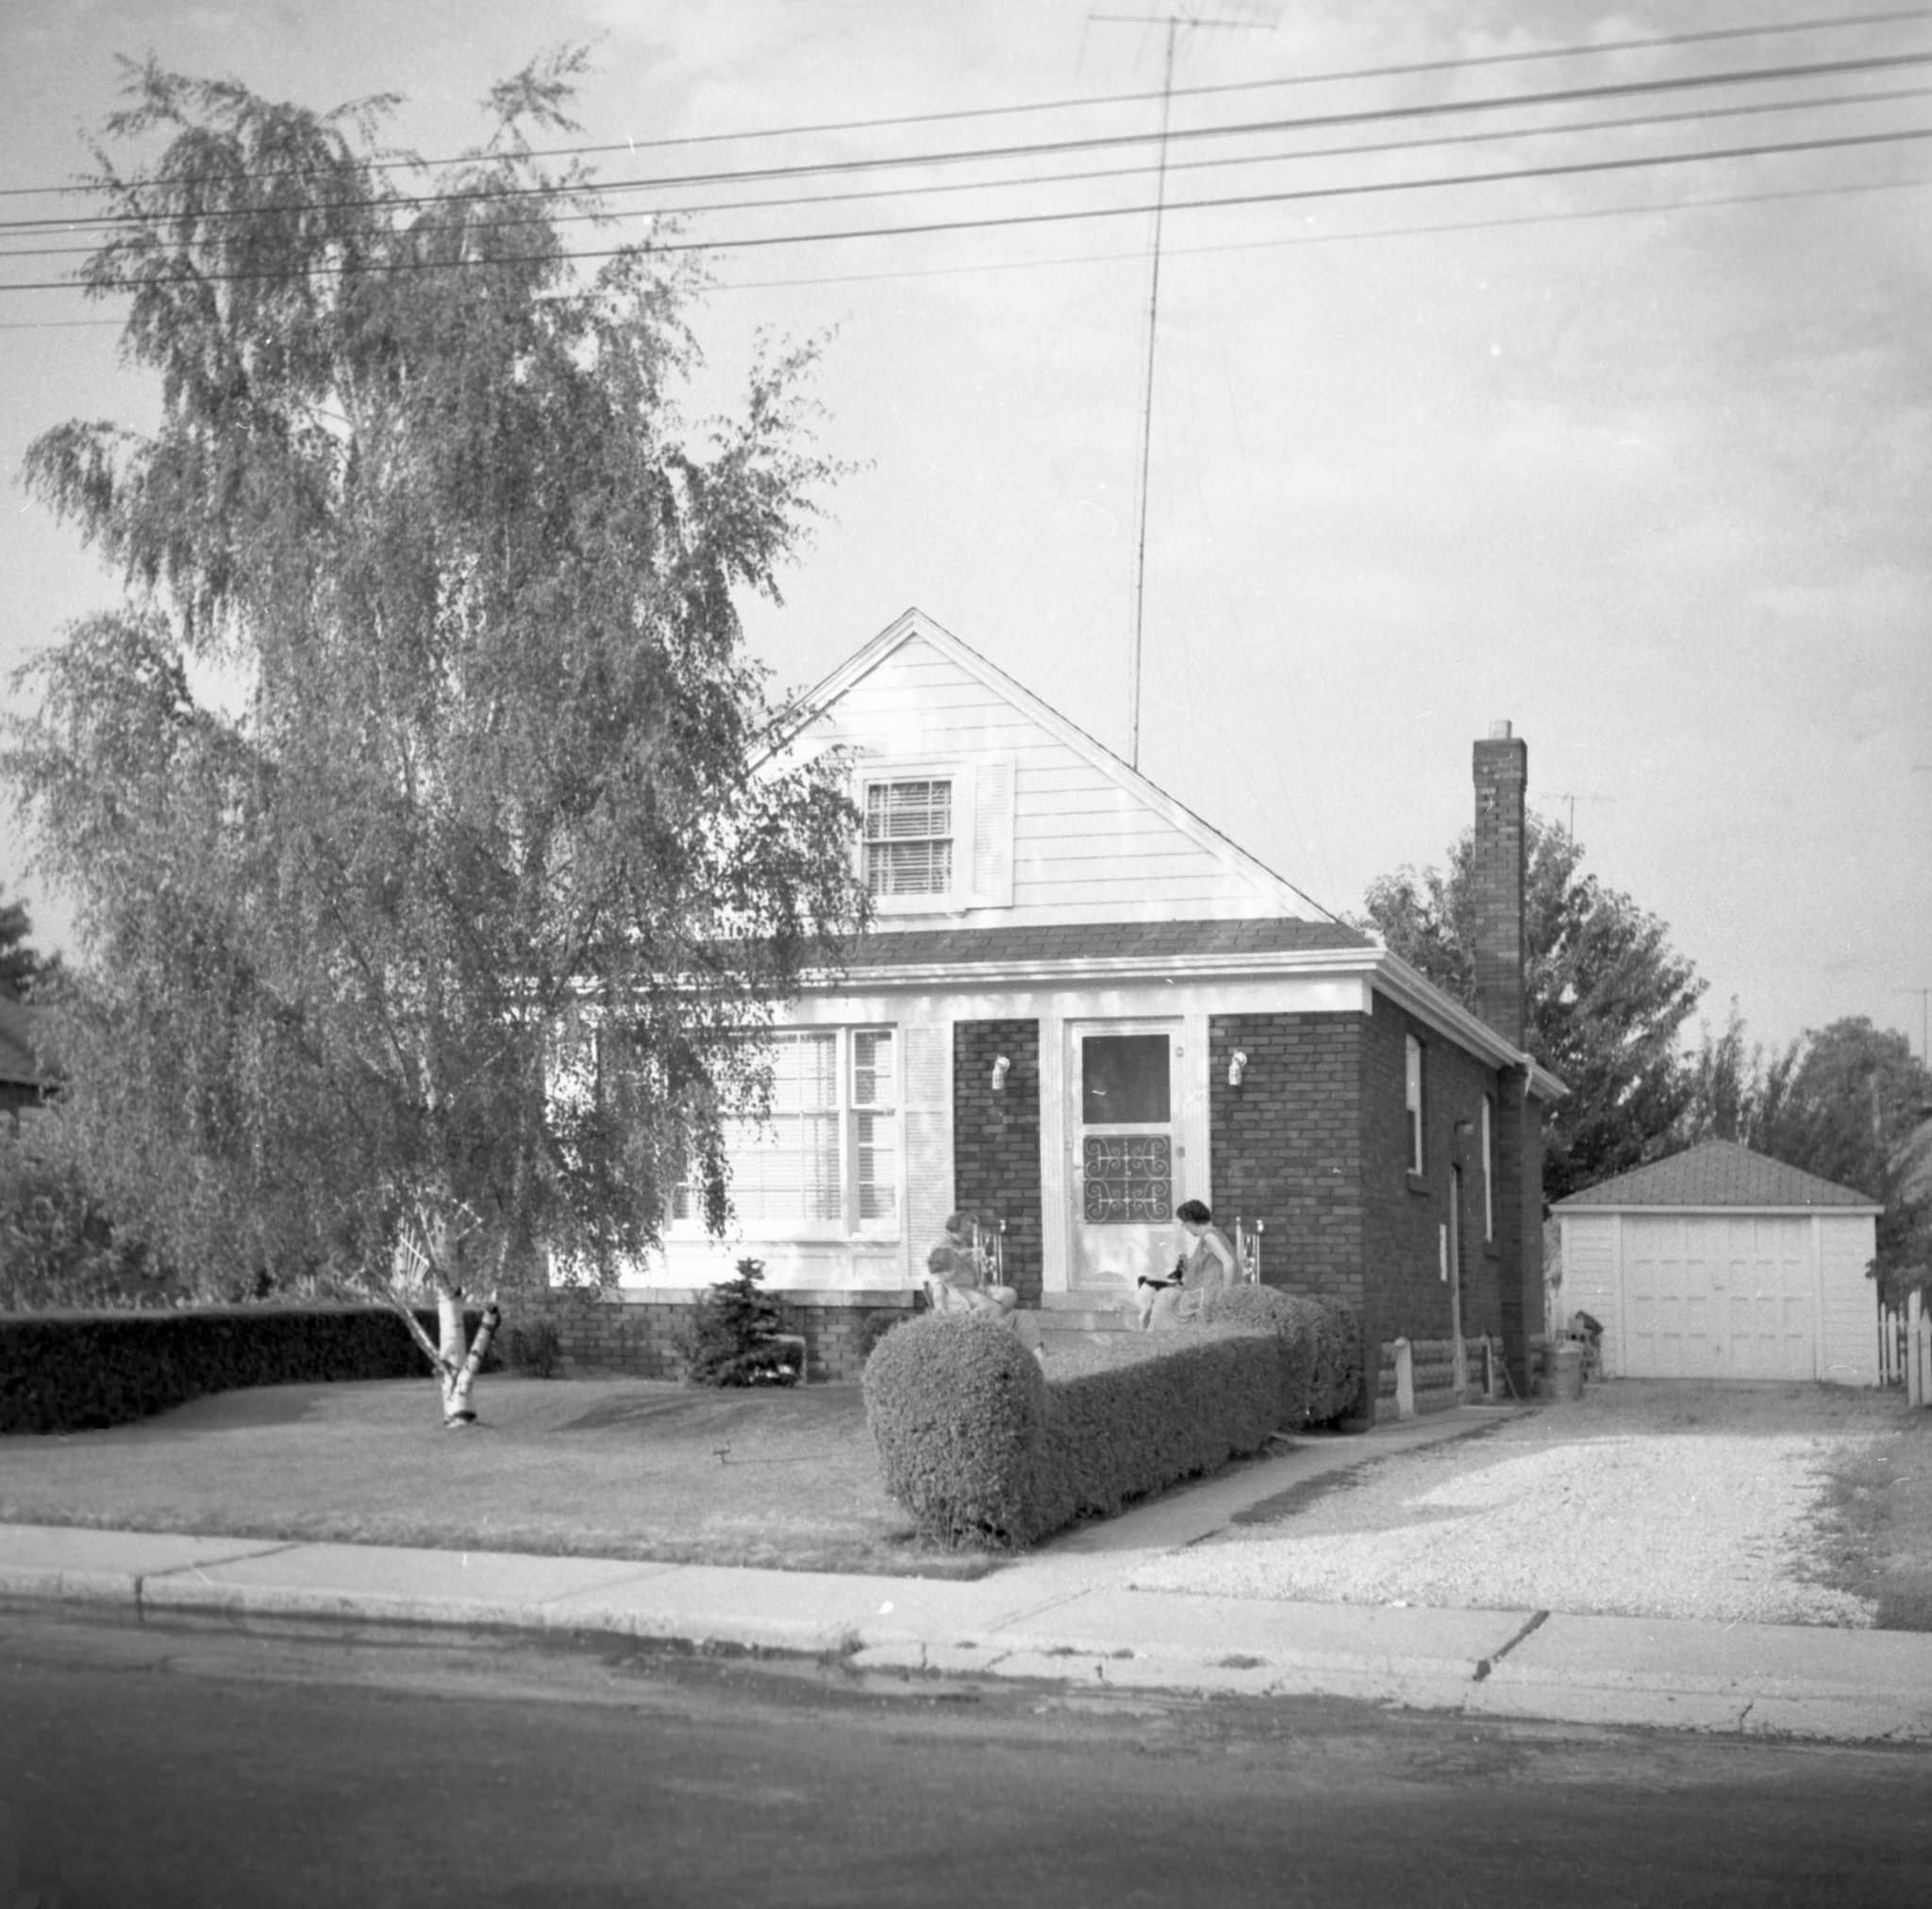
<point x="1498" y="866"/>
<point x="641" y="1336"/>
<point x="1285" y="1145"/>
<point x="1520" y="1209"/>
<point x="1406" y="1296"/>
<point x="996" y="1141"/>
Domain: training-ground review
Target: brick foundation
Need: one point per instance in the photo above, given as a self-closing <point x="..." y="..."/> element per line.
<point x="642" y="1335"/>
<point x="1432" y="1365"/>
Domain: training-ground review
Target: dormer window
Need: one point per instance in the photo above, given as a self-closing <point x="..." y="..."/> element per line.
<point x="908" y="836"/>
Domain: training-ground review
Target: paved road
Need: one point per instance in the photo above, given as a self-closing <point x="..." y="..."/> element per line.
<point x="205" y="1768"/>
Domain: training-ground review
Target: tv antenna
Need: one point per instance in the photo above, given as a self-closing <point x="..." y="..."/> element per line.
<point x="1176" y="24"/>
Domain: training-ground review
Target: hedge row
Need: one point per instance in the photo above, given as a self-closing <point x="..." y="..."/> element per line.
<point x="1321" y="1345"/>
<point x="79" y="1372"/>
<point x="983" y="1448"/>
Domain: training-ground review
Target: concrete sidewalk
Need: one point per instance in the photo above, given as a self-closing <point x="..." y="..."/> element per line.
<point x="1065" y="1614"/>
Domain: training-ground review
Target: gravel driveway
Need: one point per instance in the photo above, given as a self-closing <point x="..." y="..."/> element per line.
<point x="1645" y="1498"/>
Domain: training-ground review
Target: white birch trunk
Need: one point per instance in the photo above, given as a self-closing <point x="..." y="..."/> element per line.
<point x="456" y="1365"/>
<point x="459" y="1367"/>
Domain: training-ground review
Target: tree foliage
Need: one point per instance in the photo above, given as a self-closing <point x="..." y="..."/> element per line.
<point x="21" y="965"/>
<point x="1849" y="1102"/>
<point x="1605" y="995"/>
<point x="425" y="886"/>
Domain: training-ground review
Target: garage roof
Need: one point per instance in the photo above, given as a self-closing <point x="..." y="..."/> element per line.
<point x="1720" y="1174"/>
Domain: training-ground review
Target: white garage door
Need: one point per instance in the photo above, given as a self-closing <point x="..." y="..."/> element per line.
<point x="1718" y="1297"/>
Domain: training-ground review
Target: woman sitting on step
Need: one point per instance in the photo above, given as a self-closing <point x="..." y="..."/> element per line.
<point x="1205" y="1266"/>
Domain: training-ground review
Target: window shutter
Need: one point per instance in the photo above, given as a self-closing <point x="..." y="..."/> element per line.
<point x="993" y="832"/>
<point x="928" y="1115"/>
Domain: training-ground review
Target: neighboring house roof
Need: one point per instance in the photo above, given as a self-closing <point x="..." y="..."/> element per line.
<point x="18" y="1066"/>
<point x="1720" y="1174"/>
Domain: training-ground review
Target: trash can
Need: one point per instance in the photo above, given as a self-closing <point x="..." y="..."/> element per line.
<point x="1564" y="1362"/>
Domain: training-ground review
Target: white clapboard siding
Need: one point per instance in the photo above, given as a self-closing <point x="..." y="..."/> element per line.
<point x="1054" y="830"/>
<point x="928" y="1116"/>
<point x="1848" y="1300"/>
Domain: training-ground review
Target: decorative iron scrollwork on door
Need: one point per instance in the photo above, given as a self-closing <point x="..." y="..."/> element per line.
<point x="1129" y="1179"/>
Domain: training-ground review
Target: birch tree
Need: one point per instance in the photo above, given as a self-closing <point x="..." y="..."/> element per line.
<point x="424" y="892"/>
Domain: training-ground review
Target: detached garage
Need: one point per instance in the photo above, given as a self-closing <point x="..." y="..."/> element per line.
<point x="1719" y="1263"/>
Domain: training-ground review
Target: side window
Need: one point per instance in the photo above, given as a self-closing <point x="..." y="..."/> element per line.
<point x="908" y="836"/>
<point x="1412" y="1101"/>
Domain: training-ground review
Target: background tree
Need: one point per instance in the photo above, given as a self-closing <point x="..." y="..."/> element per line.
<point x="1849" y="1102"/>
<point x="410" y="793"/>
<point x="20" y="964"/>
<point x="1605" y="995"/>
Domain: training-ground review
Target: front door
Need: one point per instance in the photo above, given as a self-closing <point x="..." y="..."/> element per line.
<point x="1124" y="1081"/>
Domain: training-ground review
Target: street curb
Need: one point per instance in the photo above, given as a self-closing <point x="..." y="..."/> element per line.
<point x="1065" y="1655"/>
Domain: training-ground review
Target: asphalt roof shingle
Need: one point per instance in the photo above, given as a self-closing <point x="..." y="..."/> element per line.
<point x="1717" y="1173"/>
<point x="1088" y="940"/>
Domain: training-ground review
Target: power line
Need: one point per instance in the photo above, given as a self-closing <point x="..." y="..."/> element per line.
<point x="1716" y="201"/>
<point x="1051" y="149"/>
<point x="1628" y="122"/>
<point x="758" y="241"/>
<point x="1406" y="69"/>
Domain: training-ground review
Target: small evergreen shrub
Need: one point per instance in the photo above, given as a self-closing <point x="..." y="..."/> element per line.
<point x="731" y="1339"/>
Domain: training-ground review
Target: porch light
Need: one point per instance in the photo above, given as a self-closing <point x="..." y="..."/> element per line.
<point x="1001" y="1068"/>
<point x="1237" y="1066"/>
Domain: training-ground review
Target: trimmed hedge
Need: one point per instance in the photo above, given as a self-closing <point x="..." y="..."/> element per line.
<point x="957" y="1409"/>
<point x="80" y="1371"/>
<point x="983" y="1448"/>
<point x="1321" y="1347"/>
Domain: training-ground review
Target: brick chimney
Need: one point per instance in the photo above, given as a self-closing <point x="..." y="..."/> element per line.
<point x="1500" y="867"/>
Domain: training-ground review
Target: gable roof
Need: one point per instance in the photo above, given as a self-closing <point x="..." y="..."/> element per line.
<point x="1272" y="930"/>
<point x="1282" y="896"/>
<point x="1720" y="1174"/>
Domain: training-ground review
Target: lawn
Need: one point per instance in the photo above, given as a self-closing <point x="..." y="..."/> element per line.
<point x="780" y="1478"/>
<point x="1875" y="1535"/>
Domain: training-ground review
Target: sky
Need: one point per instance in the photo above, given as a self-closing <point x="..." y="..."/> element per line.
<point x="1638" y="458"/>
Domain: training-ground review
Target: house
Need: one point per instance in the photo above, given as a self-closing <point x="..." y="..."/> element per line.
<point x="1719" y="1263"/>
<point x="1079" y="1005"/>
<point x="22" y="1084"/>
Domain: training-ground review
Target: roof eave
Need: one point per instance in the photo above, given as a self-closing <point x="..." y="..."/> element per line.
<point x="1373" y="965"/>
<point x="1578" y="1204"/>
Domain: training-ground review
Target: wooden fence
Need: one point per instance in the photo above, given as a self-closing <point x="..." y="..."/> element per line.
<point x="1904" y="1348"/>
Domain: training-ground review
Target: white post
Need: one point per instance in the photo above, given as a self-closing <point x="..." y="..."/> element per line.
<point x="1915" y="1349"/>
<point x="1404" y="1379"/>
